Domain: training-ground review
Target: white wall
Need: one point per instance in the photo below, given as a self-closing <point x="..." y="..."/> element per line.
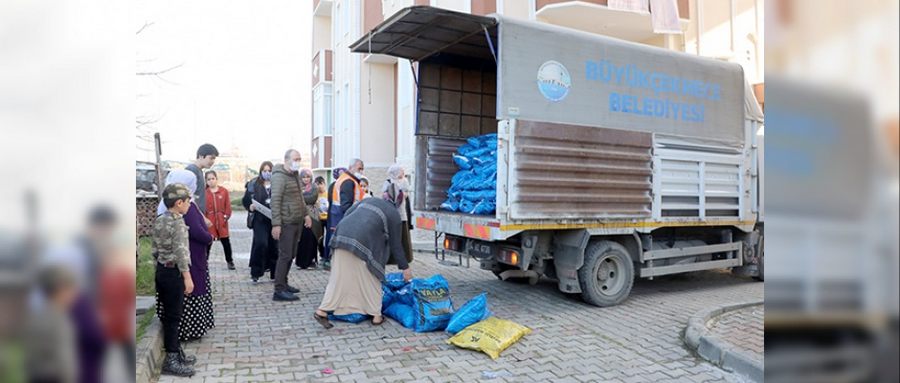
<point x="747" y="46"/>
<point x="453" y="5"/>
<point x="377" y="111"/>
<point x="346" y="26"/>
<point x="406" y="114"/>
<point x="516" y="8"/>
<point x="321" y="33"/>
<point x="389" y="7"/>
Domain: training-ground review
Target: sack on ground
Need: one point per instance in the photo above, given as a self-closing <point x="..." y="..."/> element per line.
<point x="405" y="295"/>
<point x="387" y="297"/>
<point x="394" y="281"/>
<point x="352" y="318"/>
<point x="490" y="336"/>
<point x="401" y="313"/>
<point x="473" y="311"/>
<point x="433" y="306"/>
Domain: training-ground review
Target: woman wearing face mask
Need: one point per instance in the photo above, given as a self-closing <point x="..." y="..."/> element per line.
<point x="218" y="211"/>
<point x="306" y="250"/>
<point x="264" y="250"/>
<point x="364" y="185"/>
<point x="396" y="191"/>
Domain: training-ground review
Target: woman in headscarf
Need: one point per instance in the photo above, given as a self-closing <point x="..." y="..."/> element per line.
<point x="363" y="241"/>
<point x="306" y="251"/>
<point x="396" y="191"/>
<point x="197" y="316"/>
<point x="264" y="248"/>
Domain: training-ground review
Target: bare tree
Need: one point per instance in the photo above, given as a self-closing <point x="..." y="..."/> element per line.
<point x="145" y="122"/>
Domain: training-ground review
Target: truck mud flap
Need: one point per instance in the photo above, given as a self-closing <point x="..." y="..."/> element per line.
<point x="568" y="257"/>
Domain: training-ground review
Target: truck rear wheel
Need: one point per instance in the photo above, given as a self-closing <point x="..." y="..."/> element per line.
<point x="607" y="274"/>
<point x="761" y="268"/>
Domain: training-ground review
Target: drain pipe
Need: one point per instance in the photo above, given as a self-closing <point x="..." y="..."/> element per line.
<point x="699" y="24"/>
<point x="731" y="24"/>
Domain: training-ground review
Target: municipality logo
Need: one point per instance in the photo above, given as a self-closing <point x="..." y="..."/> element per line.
<point x="553" y="81"/>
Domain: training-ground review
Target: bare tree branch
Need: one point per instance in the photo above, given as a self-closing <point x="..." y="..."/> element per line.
<point x="157" y="73"/>
<point x="142" y="28"/>
<point x="163" y="79"/>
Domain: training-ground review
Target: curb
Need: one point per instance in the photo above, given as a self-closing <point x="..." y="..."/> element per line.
<point x="714" y="350"/>
<point x="149" y="356"/>
<point x="427" y="247"/>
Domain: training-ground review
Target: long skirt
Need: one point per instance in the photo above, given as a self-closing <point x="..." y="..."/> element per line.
<point x="198" y="315"/>
<point x="264" y="249"/>
<point x="352" y="288"/>
<point x="306" y="250"/>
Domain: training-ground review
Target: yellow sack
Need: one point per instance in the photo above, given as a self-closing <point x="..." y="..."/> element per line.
<point x="490" y="336"/>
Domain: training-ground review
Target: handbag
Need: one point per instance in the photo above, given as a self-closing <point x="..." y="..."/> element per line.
<point x="250" y="214"/>
<point x="250" y="219"/>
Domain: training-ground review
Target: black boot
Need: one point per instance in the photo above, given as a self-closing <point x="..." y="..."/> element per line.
<point x="186" y="359"/>
<point x="173" y="366"/>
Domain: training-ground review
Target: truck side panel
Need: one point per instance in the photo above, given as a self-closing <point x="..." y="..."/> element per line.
<point x="571" y="171"/>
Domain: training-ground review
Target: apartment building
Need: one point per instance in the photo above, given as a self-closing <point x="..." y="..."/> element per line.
<point x="364" y="104"/>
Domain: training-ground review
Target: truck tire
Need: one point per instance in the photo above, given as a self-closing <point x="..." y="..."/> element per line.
<point x="607" y="274"/>
<point x="761" y="267"/>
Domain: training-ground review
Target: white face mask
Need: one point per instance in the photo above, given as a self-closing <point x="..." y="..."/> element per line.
<point x="358" y="175"/>
<point x="295" y="166"/>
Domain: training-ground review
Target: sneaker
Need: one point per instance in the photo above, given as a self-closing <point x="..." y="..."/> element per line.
<point x="326" y="265"/>
<point x="230" y="266"/>
<point x="292" y="289"/>
<point x="172" y="365"/>
<point x="255" y="279"/>
<point x="284" y="296"/>
<point x="186" y="359"/>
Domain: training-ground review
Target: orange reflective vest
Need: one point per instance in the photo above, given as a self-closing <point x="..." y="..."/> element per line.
<point x="336" y="191"/>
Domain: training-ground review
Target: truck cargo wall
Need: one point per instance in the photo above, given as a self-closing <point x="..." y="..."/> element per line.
<point x="600" y="81"/>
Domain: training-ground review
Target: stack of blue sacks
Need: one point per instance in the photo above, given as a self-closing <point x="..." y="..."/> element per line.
<point x="473" y="190"/>
<point x="424" y="305"/>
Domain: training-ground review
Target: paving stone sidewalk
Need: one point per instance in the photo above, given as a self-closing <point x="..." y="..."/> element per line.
<point x="259" y="340"/>
<point x="742" y="330"/>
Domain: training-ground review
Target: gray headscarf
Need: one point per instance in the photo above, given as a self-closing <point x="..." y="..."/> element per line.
<point x="395" y="189"/>
<point x="180" y="176"/>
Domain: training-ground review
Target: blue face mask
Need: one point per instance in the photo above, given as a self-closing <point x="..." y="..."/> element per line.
<point x="266" y="175"/>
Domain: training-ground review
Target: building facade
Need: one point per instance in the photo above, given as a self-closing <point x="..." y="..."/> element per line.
<point x="364" y="104"/>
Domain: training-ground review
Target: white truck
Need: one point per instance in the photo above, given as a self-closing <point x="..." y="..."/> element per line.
<point x="615" y="160"/>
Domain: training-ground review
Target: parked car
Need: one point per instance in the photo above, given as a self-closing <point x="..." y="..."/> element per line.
<point x="145" y="177"/>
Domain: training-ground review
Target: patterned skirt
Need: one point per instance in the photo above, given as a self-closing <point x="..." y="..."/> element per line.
<point x="197" y="315"/>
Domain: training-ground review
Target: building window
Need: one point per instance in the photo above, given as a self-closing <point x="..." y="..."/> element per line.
<point x="327" y="122"/>
<point x="338" y="25"/>
<point x="322" y="122"/>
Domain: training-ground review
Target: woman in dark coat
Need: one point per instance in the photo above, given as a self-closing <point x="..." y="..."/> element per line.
<point x="264" y="250"/>
<point x="306" y="251"/>
<point x="197" y="316"/>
